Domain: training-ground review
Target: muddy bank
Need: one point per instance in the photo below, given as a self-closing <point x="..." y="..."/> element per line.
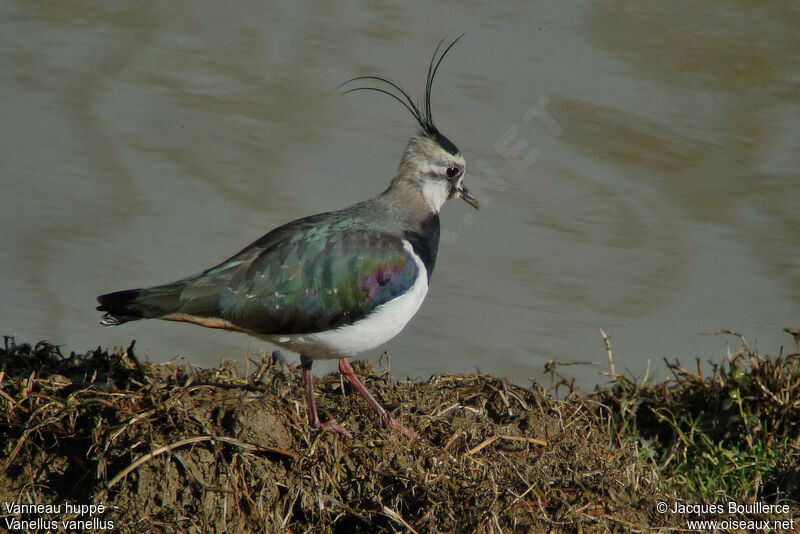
<point x="178" y="449"/>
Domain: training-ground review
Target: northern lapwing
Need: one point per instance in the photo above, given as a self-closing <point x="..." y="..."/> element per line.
<point x="331" y="285"/>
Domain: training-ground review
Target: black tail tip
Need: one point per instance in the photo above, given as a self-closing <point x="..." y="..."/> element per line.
<point x="119" y="307"/>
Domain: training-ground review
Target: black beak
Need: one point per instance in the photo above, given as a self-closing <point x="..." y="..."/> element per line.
<point x="465" y="195"/>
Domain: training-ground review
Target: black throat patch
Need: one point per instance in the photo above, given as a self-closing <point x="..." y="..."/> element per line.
<point x="425" y="242"/>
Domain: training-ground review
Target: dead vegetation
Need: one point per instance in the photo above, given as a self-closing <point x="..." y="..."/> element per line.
<point x="177" y="449"/>
<point x="730" y="430"/>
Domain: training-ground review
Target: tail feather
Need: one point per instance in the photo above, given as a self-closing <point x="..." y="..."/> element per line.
<point x="133" y="304"/>
<point x="113" y="320"/>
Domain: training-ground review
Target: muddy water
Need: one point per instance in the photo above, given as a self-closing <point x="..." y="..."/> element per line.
<point x="637" y="163"/>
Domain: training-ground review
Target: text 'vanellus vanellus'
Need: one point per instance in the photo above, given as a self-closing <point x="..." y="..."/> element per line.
<point x="331" y="285"/>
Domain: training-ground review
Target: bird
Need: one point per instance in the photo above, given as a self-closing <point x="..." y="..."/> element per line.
<point x="331" y="285"/>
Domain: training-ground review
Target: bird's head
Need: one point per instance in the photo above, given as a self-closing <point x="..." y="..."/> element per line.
<point x="436" y="168"/>
<point x="432" y="164"/>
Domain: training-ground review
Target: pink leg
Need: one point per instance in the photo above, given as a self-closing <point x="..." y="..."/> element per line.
<point x="347" y="371"/>
<point x="313" y="417"/>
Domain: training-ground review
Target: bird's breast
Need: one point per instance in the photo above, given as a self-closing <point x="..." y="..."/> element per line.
<point x="379" y="326"/>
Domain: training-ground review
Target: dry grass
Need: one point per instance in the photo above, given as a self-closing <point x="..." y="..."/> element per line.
<point x="730" y="431"/>
<point x="178" y="449"/>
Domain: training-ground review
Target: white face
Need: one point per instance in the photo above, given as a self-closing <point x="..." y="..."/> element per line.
<point x="438" y="173"/>
<point x="435" y="193"/>
<point x="442" y="178"/>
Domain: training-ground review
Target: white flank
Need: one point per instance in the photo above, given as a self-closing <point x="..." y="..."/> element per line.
<point x="385" y="322"/>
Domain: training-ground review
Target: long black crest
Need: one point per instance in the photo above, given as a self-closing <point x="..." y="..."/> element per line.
<point x="422" y="112"/>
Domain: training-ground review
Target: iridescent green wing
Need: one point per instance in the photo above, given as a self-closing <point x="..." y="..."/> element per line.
<point x="308" y="278"/>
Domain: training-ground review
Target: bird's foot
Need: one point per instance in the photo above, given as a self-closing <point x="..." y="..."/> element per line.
<point x="333" y="426"/>
<point x="347" y="371"/>
<point x="397" y="427"/>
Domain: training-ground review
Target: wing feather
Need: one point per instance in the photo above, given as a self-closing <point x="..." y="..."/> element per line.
<point x="313" y="279"/>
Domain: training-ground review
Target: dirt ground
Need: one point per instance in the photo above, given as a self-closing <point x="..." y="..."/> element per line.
<point x="178" y="449"/>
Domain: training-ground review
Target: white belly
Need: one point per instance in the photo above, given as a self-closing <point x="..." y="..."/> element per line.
<point x="381" y="325"/>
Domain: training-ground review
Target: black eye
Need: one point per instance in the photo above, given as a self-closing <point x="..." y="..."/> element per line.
<point x="452" y="171"/>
